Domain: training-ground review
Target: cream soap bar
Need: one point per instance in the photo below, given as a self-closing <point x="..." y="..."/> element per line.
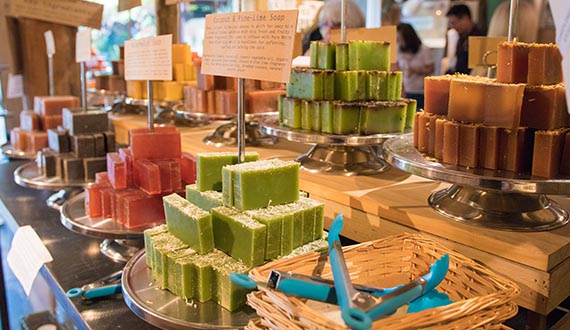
<point x="368" y="55"/>
<point x="239" y="235"/>
<point x="229" y="295"/>
<point x="209" y="167"/>
<point x="206" y="200"/>
<point x="189" y="223"/>
<point x="259" y="184"/>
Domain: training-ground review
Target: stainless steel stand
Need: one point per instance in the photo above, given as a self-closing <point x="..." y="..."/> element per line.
<point x="494" y="199"/>
<point x="227" y="135"/>
<point x="8" y="151"/>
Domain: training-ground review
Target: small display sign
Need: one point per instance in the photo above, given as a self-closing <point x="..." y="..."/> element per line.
<point x="149" y="58"/>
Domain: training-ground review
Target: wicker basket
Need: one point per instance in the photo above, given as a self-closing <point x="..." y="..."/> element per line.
<point x="482" y="299"/>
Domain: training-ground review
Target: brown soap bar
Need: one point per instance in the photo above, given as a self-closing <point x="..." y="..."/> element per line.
<point x="547" y="152"/>
<point x="516" y="149"/>
<point x="469" y="145"/>
<point x="211" y="103"/>
<point x="544" y="107"/>
<point x="565" y="157"/>
<point x="417" y="128"/>
<point x="29" y="121"/>
<point x="431" y="133"/>
<point x="436" y="94"/>
<point x="423" y="131"/>
<point x="73" y="169"/>
<point x="467" y="101"/>
<point x="51" y="121"/>
<point x="48" y="163"/>
<point x="438" y="146"/>
<point x="83" y="145"/>
<point x="77" y="121"/>
<point x="102" y="81"/>
<point x="58" y="140"/>
<point x="92" y="166"/>
<point x="110" y="145"/>
<point x="59" y="170"/>
<point x="206" y="82"/>
<point x="544" y="64"/>
<point x="512" y="62"/>
<point x="117" y="84"/>
<point x="201" y="104"/>
<point x="38" y="141"/>
<point x="226" y="101"/>
<point x="489" y="147"/>
<point x="99" y="145"/>
<point x="503" y="104"/>
<point x="451" y="143"/>
<point x="263" y="100"/>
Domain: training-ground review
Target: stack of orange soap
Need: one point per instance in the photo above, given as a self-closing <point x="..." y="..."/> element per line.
<point x="517" y="122"/>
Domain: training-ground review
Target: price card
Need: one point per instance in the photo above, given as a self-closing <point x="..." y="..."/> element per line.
<point x="66" y="12"/>
<point x="381" y="34"/>
<point x="254" y="45"/>
<point x="128" y="4"/>
<point x="50" y="43"/>
<point x="561" y="13"/>
<point x="83" y="45"/>
<point x="26" y="256"/>
<point x="149" y="58"/>
<point x="15" y="86"/>
<point x="479" y="46"/>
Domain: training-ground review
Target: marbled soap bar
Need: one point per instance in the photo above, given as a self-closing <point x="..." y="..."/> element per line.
<point x="394" y="85"/>
<point x="436" y="94"/>
<point x="239" y="235"/>
<point x="411" y="108"/>
<point x="291" y="112"/>
<point x="189" y="223"/>
<point x="162" y="143"/>
<point x="368" y="55"/>
<point x="206" y="200"/>
<point x="229" y="295"/>
<point x="326" y="55"/>
<point x="350" y="85"/>
<point x="377" y="85"/>
<point x="346" y="118"/>
<point x="327" y="110"/>
<point x="516" y="149"/>
<point x="116" y="170"/>
<point x="262" y="183"/>
<point x="306" y="84"/>
<point x="341" y="56"/>
<point x="544" y="65"/>
<point x="383" y="117"/>
<point x="77" y="121"/>
<point x="544" y="107"/>
<point x="209" y="167"/>
<point x="547" y="152"/>
<point x="489" y="147"/>
<point x="512" y="62"/>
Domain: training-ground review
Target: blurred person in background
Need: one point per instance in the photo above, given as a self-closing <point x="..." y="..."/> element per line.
<point x="459" y="18"/>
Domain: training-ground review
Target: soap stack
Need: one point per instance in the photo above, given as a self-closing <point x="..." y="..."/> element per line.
<point x="78" y="147"/>
<point x="348" y="89"/>
<point x="31" y="135"/>
<point x="136" y="178"/>
<point x="517" y="122"/>
<point x="236" y="216"/>
<point x="114" y="82"/>
<point x="218" y="95"/>
<point x="183" y="74"/>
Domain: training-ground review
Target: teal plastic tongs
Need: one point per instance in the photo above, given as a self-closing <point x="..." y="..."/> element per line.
<point x="106" y="286"/>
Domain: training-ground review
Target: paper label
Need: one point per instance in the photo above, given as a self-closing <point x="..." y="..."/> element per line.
<point x="66" y="12"/>
<point x="381" y="34"/>
<point x="50" y="43"/>
<point x="26" y="256"/>
<point x="15" y="86"/>
<point x="561" y="13"/>
<point x="83" y="45"/>
<point x="478" y="46"/>
<point x="254" y="45"/>
<point x="128" y="4"/>
<point x="149" y="58"/>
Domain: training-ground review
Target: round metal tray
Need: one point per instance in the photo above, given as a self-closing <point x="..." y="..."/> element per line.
<point x="157" y="103"/>
<point x="168" y="311"/>
<point x="28" y="175"/>
<point x="9" y="152"/>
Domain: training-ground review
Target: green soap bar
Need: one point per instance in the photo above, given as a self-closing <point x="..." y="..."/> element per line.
<point x="170" y="276"/>
<point x="156" y="241"/>
<point x="350" y="85"/>
<point x="306" y="111"/>
<point x="341" y="55"/>
<point x="280" y="107"/>
<point x="161" y="251"/>
<point x="298" y="217"/>
<point x="328" y="84"/>
<point x="319" y="245"/>
<point x="185" y="272"/>
<point x="148" y="234"/>
<point x="368" y="55"/>
<point x="313" y="218"/>
<point x="314" y="54"/>
<point x="239" y="235"/>
<point x="346" y="118"/>
<point x="287" y="226"/>
<point x="206" y="200"/>
<point x="204" y="275"/>
<point x="209" y="167"/>
<point x="306" y="84"/>
<point x="326" y="55"/>
<point x="382" y="117"/>
<point x="262" y="183"/>
<point x="316" y="116"/>
<point x="274" y="228"/>
<point x="327" y="108"/>
<point x="377" y="85"/>
<point x="394" y="85"/>
<point x="411" y="108"/>
<point x="291" y="112"/>
<point x="229" y="295"/>
<point x="189" y="223"/>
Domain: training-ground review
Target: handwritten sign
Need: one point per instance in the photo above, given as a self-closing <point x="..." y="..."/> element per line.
<point x="83" y="45"/>
<point x="15" y="86"/>
<point x="381" y="34"/>
<point x="66" y="12"/>
<point x="128" y="4"/>
<point x="50" y="43"/>
<point x="478" y="46"/>
<point x="26" y="256"/>
<point x="254" y="45"/>
<point x="149" y="58"/>
<point x="561" y="13"/>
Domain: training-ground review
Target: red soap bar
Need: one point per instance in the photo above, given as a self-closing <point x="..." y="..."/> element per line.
<point x="547" y="153"/>
<point x="156" y="145"/>
<point x="516" y="149"/>
<point x="51" y="122"/>
<point x="436" y="94"/>
<point x="226" y="101"/>
<point x="146" y="176"/>
<point x="38" y="141"/>
<point x="489" y="147"/>
<point x="512" y="62"/>
<point x="157" y="129"/>
<point x="102" y="179"/>
<point x="29" y="121"/>
<point x="544" y="65"/>
<point x="565" y="158"/>
<point x="170" y="179"/>
<point x="450" y="143"/>
<point x="119" y="203"/>
<point x="127" y="157"/>
<point x="93" y="201"/>
<point x="107" y="202"/>
<point x="142" y="210"/>
<point x="52" y="105"/>
<point x="263" y="101"/>
<point x="116" y="170"/>
<point x="188" y="168"/>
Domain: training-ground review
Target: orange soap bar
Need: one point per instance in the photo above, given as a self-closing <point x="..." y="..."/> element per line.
<point x="417" y="129"/>
<point x="19" y="139"/>
<point x="226" y="101"/>
<point x="432" y="131"/>
<point x="503" y="103"/>
<point x="142" y="209"/>
<point x="516" y="149"/>
<point x="263" y="100"/>
<point x="93" y="201"/>
<point x="127" y="158"/>
<point x="116" y="170"/>
<point x="466" y="100"/>
<point x="106" y="202"/>
<point x="38" y="141"/>
<point x="439" y="129"/>
<point x="544" y="64"/>
<point x="146" y="176"/>
<point x="436" y="94"/>
<point x="423" y="131"/>
<point x="51" y="122"/>
<point x="201" y="104"/>
<point x="29" y="121"/>
<point x="512" y="62"/>
<point x="52" y="105"/>
<point x="211" y="103"/>
<point x="544" y="107"/>
<point x="469" y="145"/>
<point x="565" y="157"/>
<point x="547" y="152"/>
<point x="489" y="147"/>
<point x="451" y="143"/>
<point x="188" y="168"/>
<point x="102" y="179"/>
<point x="156" y="145"/>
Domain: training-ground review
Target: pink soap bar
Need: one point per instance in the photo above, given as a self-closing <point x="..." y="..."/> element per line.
<point x="116" y="170"/>
<point x="146" y="176"/>
<point x="29" y="121"/>
<point x="142" y="209"/>
<point x="93" y="201"/>
<point x="52" y="105"/>
<point x="170" y="179"/>
<point x="226" y="101"/>
<point x="156" y="145"/>
<point x="188" y="168"/>
<point x="38" y="141"/>
<point x="127" y="157"/>
<point x="106" y="202"/>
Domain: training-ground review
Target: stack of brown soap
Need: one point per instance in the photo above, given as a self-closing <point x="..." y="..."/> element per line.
<point x="517" y="123"/>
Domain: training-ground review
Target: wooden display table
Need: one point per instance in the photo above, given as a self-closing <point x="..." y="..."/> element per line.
<point x="394" y="202"/>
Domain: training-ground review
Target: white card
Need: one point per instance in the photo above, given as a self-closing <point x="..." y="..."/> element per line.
<point x="15" y="86"/>
<point x="83" y="45"/>
<point x="26" y="256"/>
<point x="561" y="14"/>
<point x="50" y="43"/>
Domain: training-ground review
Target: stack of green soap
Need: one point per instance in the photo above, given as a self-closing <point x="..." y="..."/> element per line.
<point x="229" y="295"/>
<point x="350" y="85"/>
<point x="306" y="84"/>
<point x="313" y="219"/>
<point x="410" y="112"/>
<point x="326" y="109"/>
<point x="239" y="235"/>
<point x="377" y="85"/>
<point x="326" y="55"/>
<point x="189" y="223"/>
<point x="291" y="112"/>
<point x="383" y="117"/>
<point x="171" y="278"/>
<point x="394" y="85"/>
<point x="368" y="55"/>
<point x="306" y="112"/>
<point x="341" y="56"/>
<point x="346" y="118"/>
<point x="206" y="200"/>
<point x="209" y="167"/>
<point x="274" y="228"/>
<point x="259" y="184"/>
<point x="163" y="244"/>
<point x="148" y="246"/>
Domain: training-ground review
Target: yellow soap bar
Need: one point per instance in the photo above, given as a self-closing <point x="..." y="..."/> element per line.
<point x="181" y="54"/>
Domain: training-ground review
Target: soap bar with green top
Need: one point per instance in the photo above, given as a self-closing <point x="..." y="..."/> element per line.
<point x="411" y="107"/>
<point x="316" y="116"/>
<point x="306" y="84"/>
<point x="274" y="228"/>
<point x="368" y="55"/>
<point x="380" y="117"/>
<point x="280" y="107"/>
<point x="306" y="111"/>
<point x="189" y="223"/>
<point x="291" y="112"/>
<point x="209" y="167"/>
<point x="170" y="276"/>
<point x="341" y="55"/>
<point x="394" y="85"/>
<point x="186" y="273"/>
<point x="326" y="55"/>
<point x="313" y="218"/>
<point x="328" y="84"/>
<point x="377" y="85"/>
<point x="239" y="235"/>
<point x="346" y="118"/>
<point x="161" y="251"/>
<point x="259" y="184"/>
<point x="204" y="275"/>
<point x="327" y="109"/>
<point x="314" y="54"/>
<point x="350" y="85"/>
<point x="229" y="295"/>
<point x="148" y="247"/>
<point x="206" y="200"/>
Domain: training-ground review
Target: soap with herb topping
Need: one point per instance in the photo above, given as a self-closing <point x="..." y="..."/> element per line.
<point x="394" y="85"/>
<point x="209" y="167"/>
<point x="350" y="85"/>
<point x="377" y="85"/>
<point x="274" y="229"/>
<point x="306" y="84"/>
<point x="383" y="117"/>
<point x="206" y="200"/>
<point x="326" y="109"/>
<point x="341" y="56"/>
<point x="229" y="295"/>
<point x="411" y="108"/>
<point x="368" y="55"/>
<point x="326" y="55"/>
<point x="148" y="243"/>
<point x="291" y="112"/>
<point x="346" y="118"/>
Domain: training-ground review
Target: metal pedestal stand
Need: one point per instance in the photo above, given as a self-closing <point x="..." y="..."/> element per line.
<point x="166" y="112"/>
<point x="494" y="199"/>
<point x="8" y="151"/>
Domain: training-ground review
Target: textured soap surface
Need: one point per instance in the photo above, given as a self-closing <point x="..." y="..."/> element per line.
<point x="77" y="121"/>
<point x="206" y="200"/>
<point x="209" y="167"/>
<point x="229" y="295"/>
<point x="306" y="84"/>
<point x="162" y="143"/>
<point x="383" y="117"/>
<point x="346" y="118"/>
<point x="368" y="55"/>
<point x="148" y="246"/>
<point x="350" y="85"/>
<point x="547" y="152"/>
